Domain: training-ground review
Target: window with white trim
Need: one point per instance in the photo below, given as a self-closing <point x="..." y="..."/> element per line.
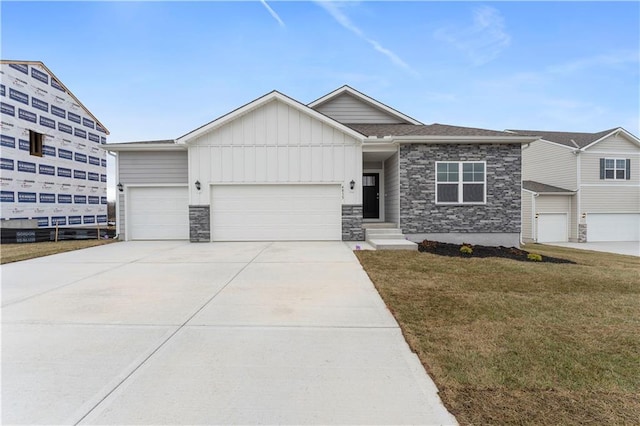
<point x="461" y="182"/>
<point x="615" y="168"/>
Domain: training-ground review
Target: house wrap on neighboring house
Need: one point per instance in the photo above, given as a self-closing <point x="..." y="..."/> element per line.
<point x="52" y="165"/>
<point x="581" y="186"/>
<point x="277" y="169"/>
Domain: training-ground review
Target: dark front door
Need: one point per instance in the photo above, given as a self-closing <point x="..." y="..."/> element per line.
<point x="371" y="195"/>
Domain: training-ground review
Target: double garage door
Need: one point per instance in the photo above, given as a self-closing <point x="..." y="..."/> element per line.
<point x="276" y="212"/>
<point x="552" y="227"/>
<point x="240" y="213"/>
<point x="613" y="227"/>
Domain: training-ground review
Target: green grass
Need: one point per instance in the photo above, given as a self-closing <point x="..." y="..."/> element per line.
<point x="511" y="342"/>
<point x="16" y="252"/>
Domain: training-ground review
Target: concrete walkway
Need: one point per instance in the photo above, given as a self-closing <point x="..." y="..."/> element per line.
<point x="220" y="333"/>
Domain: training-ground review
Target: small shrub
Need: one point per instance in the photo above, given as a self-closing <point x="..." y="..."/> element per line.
<point x="466" y="250"/>
<point x="534" y="257"/>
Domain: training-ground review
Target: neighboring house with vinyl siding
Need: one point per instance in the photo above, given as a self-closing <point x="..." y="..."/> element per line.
<point x="581" y="186"/>
<point x="278" y="169"/>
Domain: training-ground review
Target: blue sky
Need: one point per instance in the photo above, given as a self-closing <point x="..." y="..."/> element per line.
<point x="157" y="70"/>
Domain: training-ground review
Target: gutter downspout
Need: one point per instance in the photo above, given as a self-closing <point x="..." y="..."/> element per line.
<point x="522" y="243"/>
<point x="577" y="153"/>
<point x="115" y="158"/>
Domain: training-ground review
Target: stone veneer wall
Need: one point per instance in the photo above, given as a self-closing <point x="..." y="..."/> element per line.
<point x="199" y="224"/>
<point x="352" y="222"/>
<point x="418" y="210"/>
<point x="582" y="232"/>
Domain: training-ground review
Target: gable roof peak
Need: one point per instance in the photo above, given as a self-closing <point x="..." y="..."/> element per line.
<point x="348" y="90"/>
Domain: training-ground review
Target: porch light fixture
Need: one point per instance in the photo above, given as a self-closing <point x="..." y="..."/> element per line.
<point x="352" y="184"/>
<point x="120" y="187"/>
<point x="198" y="185"/>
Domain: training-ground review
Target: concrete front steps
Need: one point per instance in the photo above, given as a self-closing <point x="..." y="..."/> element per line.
<point x="386" y="236"/>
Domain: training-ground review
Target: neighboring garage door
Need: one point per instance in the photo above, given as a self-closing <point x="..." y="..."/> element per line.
<point x="276" y="212"/>
<point x="552" y="227"/>
<point x="158" y="213"/>
<point x="613" y="227"/>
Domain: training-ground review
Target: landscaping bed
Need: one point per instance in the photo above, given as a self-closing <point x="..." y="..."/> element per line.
<point x="469" y="250"/>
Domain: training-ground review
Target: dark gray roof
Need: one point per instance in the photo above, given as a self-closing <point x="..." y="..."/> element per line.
<point x="564" y="138"/>
<point x="543" y="187"/>
<point x="435" y="129"/>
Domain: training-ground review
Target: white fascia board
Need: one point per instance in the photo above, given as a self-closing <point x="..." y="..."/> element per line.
<point x="460" y="139"/>
<point x="269" y="97"/>
<point x="628" y="135"/>
<point x="39" y="63"/>
<point x="572" y="193"/>
<point x="378" y="146"/>
<point x="364" y="98"/>
<point x="143" y="147"/>
<point x="530" y="191"/>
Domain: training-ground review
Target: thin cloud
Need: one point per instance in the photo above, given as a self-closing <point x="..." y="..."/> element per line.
<point x="273" y="13"/>
<point x="611" y="60"/>
<point x="483" y="41"/>
<point x="344" y="20"/>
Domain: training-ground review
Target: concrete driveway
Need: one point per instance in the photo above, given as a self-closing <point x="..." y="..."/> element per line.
<point x="630" y="248"/>
<point x="220" y="333"/>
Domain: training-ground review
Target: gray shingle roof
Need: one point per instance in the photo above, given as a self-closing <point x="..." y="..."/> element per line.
<point x="564" y="138"/>
<point x="543" y="187"/>
<point x="435" y="129"/>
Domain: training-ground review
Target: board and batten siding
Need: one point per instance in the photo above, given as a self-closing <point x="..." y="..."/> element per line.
<point x="550" y="164"/>
<point x="392" y="190"/>
<point x="276" y="143"/>
<point x="347" y="109"/>
<point x="148" y="168"/>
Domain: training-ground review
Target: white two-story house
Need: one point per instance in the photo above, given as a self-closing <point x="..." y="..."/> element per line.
<point x="582" y="187"/>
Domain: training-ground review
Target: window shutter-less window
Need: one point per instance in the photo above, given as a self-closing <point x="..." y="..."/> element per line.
<point x="628" y="172"/>
<point x="602" y="168"/>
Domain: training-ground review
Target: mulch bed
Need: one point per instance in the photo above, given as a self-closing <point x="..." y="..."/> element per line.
<point x="453" y="250"/>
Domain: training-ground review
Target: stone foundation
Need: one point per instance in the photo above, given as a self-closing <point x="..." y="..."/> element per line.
<point x="199" y="224"/>
<point x="352" y="223"/>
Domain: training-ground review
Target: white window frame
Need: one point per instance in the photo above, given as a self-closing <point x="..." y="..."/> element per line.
<point x="615" y="168"/>
<point x="461" y="184"/>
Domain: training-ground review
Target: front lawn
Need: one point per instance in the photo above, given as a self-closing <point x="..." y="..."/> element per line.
<point x="16" y="252"/>
<point x="511" y="342"/>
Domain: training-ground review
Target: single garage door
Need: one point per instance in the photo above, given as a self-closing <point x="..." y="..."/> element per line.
<point x="552" y="227"/>
<point x="276" y="212"/>
<point x="158" y="213"/>
<point x="613" y="227"/>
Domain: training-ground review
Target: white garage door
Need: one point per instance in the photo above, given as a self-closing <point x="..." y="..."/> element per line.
<point x="158" y="213"/>
<point x="552" y="227"/>
<point x="613" y="227"/>
<point x="276" y="212"/>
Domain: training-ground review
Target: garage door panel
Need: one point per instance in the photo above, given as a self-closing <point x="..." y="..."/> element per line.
<point x="613" y="227"/>
<point x="552" y="227"/>
<point x="158" y="213"/>
<point x="276" y="212"/>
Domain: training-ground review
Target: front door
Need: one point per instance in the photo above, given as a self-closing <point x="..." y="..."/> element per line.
<point x="371" y="195"/>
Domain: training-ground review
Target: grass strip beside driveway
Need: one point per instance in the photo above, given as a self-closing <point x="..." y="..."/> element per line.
<point x="511" y="342"/>
<point x="16" y="252"/>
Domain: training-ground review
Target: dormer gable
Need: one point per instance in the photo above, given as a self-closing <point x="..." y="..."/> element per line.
<point x="348" y="105"/>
